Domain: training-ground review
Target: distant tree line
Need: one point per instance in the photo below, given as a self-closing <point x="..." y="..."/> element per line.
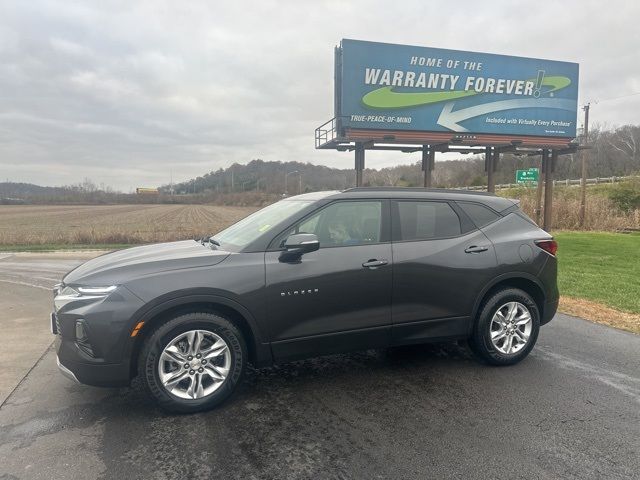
<point x="615" y="152"/>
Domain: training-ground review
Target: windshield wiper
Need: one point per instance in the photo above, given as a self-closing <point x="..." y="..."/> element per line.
<point x="210" y="240"/>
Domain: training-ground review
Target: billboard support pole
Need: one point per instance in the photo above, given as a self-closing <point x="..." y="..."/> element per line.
<point x="548" y="189"/>
<point x="428" y="162"/>
<point x="359" y="157"/>
<point x="489" y="157"/>
<point x="496" y="161"/>
<point x="543" y="162"/>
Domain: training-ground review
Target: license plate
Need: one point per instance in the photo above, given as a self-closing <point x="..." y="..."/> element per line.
<point x="54" y="328"/>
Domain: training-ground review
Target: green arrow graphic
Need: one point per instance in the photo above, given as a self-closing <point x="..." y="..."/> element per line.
<point x="556" y="82"/>
<point x="385" y="97"/>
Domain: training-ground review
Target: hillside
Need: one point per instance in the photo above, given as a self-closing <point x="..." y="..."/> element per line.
<point x="22" y="190"/>
<point x="614" y="152"/>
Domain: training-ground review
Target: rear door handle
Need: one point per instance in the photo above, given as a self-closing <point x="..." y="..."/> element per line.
<point x="374" y="263"/>
<point x="476" y="249"/>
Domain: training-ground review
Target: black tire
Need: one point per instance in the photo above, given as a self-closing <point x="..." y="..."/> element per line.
<point x="161" y="336"/>
<point x="480" y="341"/>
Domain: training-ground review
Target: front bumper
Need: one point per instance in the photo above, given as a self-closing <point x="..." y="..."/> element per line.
<point x="65" y="371"/>
<point x="93" y="339"/>
<point x="72" y="364"/>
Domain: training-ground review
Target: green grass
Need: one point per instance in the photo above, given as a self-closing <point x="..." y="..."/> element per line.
<point x="53" y="247"/>
<point x="602" y="267"/>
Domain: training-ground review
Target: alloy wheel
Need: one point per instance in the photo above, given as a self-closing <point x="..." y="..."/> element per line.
<point x="510" y="328"/>
<point x="194" y="364"/>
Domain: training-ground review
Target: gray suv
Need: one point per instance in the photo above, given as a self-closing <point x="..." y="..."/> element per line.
<point x="314" y="274"/>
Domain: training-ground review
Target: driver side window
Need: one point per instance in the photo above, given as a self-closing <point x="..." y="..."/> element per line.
<point x="343" y="224"/>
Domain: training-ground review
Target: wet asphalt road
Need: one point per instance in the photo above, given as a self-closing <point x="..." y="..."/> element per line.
<point x="25" y="299"/>
<point x="570" y="410"/>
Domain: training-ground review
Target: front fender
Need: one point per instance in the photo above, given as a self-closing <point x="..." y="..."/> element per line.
<point x="164" y="303"/>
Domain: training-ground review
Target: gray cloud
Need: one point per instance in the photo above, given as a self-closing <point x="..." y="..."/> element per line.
<point x="124" y="92"/>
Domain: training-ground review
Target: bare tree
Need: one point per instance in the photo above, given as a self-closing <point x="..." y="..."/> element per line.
<point x="624" y="141"/>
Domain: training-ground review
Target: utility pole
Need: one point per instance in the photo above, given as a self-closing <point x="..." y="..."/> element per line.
<point x="584" y="155"/>
<point x="286" y="175"/>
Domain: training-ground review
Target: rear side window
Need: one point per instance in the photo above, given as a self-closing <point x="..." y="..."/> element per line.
<point x="426" y="220"/>
<point x="479" y="214"/>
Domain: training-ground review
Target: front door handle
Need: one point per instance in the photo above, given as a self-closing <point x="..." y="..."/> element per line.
<point x="374" y="263"/>
<point x="476" y="249"/>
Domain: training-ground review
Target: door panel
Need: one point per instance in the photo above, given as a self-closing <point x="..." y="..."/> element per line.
<point x="338" y="297"/>
<point x="437" y="278"/>
<point x="328" y="291"/>
<point x="436" y="281"/>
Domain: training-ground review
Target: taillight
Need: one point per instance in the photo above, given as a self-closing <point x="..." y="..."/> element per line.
<point x="549" y="246"/>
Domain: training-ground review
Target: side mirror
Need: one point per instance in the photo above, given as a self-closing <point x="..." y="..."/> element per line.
<point x="301" y="243"/>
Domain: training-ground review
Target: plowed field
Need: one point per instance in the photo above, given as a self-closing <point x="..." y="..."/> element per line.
<point x="112" y="224"/>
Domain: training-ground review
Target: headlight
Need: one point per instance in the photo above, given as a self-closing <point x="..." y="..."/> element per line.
<point x="67" y="294"/>
<point x="96" y="290"/>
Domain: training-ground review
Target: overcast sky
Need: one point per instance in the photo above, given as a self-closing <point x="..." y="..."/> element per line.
<point x="126" y="92"/>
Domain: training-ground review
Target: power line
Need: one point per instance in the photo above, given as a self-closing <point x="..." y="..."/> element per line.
<point x="616" y="98"/>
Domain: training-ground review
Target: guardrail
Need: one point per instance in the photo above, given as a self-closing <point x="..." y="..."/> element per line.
<point x="567" y="182"/>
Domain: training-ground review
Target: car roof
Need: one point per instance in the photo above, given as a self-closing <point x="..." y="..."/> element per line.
<point x="403" y="193"/>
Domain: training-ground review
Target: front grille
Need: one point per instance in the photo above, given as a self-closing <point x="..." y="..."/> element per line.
<point x="54" y="324"/>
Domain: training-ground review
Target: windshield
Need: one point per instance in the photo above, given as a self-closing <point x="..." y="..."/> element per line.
<point x="241" y="234"/>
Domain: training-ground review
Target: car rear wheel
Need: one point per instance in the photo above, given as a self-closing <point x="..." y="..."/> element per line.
<point x="507" y="327"/>
<point x="193" y="362"/>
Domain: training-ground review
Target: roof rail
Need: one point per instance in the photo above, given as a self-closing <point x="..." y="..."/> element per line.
<point x="415" y="189"/>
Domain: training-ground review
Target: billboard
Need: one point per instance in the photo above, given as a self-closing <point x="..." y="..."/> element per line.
<point x="402" y="87"/>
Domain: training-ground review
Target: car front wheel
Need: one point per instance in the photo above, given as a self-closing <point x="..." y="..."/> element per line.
<point x="193" y="362"/>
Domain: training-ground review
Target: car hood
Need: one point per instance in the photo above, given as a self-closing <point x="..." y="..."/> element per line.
<point x="117" y="267"/>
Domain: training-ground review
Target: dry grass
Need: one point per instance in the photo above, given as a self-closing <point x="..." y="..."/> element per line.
<point x="599" y="313"/>
<point x="112" y="224"/>
<point x="602" y="215"/>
